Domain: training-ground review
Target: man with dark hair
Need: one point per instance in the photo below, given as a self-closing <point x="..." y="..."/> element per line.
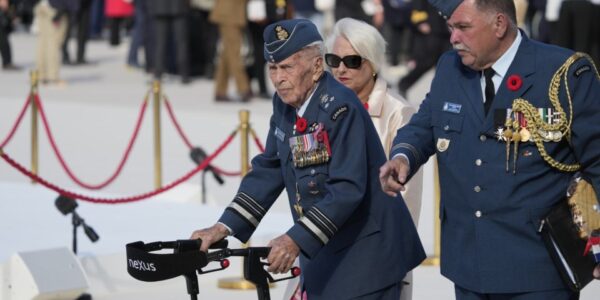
<point x="507" y="135"/>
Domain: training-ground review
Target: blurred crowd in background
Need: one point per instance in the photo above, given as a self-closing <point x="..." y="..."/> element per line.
<point x="222" y="39"/>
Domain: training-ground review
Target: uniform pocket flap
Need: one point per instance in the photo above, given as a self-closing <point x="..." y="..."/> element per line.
<point x="447" y="121"/>
<point x="353" y="232"/>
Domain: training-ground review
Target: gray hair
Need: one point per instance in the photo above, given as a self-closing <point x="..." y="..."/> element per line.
<point x="316" y="46"/>
<point x="500" y="6"/>
<point x="364" y="38"/>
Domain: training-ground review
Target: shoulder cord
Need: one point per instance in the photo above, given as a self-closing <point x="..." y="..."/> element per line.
<point x="537" y="127"/>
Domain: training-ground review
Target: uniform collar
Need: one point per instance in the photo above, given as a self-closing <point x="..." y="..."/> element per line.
<point x="503" y="63"/>
<point x="304" y="105"/>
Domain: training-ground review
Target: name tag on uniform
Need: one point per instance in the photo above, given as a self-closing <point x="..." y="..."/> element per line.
<point x="452" y="107"/>
<point x="279" y="134"/>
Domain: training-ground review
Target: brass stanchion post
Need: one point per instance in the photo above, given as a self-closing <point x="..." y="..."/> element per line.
<point x="244" y="131"/>
<point x="156" y="90"/>
<point x="238" y="283"/>
<point x="33" y="78"/>
<point x="435" y="259"/>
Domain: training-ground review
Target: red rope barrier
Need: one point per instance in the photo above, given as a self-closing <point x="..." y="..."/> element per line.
<point x="176" y="124"/>
<point x="121" y="163"/>
<point x="139" y="197"/>
<point x="187" y="141"/>
<point x="260" y="146"/>
<point x="17" y="123"/>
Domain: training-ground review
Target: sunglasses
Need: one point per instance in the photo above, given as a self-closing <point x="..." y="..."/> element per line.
<point x="350" y="61"/>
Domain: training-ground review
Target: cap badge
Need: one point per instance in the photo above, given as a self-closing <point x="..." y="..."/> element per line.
<point x="282" y="34"/>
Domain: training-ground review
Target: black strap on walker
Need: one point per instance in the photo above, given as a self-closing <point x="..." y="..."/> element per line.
<point x="187" y="260"/>
<point x="146" y="266"/>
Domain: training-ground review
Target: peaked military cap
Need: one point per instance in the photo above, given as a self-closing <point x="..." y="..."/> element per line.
<point x="445" y="7"/>
<point x="284" y="38"/>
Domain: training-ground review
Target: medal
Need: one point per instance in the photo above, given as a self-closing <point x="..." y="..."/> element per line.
<point x="311" y="148"/>
<point x="525" y="134"/>
<point x="556" y="136"/>
<point x="516" y="138"/>
<point x="297" y="206"/>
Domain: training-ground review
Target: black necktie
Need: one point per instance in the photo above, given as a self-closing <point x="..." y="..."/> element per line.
<point x="490" y="91"/>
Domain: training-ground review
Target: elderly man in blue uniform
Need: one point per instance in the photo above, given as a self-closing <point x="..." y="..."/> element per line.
<point x="354" y="241"/>
<point x="496" y="177"/>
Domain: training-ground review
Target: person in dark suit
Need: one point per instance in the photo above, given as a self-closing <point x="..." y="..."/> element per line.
<point x="353" y="240"/>
<point x="430" y="41"/>
<point x="5" y="29"/>
<point x="351" y="9"/>
<point x="579" y="27"/>
<point x="496" y="183"/>
<point x="170" y="17"/>
<point x="79" y="19"/>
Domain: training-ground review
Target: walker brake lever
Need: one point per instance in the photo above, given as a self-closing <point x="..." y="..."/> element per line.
<point x="294" y="272"/>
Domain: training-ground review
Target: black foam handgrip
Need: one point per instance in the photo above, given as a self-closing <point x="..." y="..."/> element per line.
<point x="222" y="244"/>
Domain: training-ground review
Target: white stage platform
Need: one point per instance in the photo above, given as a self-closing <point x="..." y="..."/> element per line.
<point x="31" y="222"/>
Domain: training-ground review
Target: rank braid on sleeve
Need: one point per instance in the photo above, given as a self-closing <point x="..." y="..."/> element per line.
<point x="318" y="224"/>
<point x="247" y="208"/>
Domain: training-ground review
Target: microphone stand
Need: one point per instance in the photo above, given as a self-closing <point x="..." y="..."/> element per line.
<point x="198" y="155"/>
<point x="203" y="186"/>
<point x="77" y="221"/>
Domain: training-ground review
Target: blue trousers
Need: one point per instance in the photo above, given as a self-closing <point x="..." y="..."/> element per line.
<point x="561" y="294"/>
<point x="391" y="292"/>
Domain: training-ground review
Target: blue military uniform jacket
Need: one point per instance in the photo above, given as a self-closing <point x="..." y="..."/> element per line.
<point x="354" y="239"/>
<point x="490" y="217"/>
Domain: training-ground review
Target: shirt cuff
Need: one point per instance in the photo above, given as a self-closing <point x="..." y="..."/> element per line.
<point x="227" y="227"/>
<point x="405" y="157"/>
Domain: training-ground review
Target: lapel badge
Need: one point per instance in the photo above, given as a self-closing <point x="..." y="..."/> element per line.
<point x="324" y="98"/>
<point x="442" y="144"/>
<point x="282" y="34"/>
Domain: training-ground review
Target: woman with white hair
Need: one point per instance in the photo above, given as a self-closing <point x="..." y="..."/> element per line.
<point x="356" y="53"/>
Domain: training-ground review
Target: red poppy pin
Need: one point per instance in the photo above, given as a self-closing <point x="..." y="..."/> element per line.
<point x="301" y="124"/>
<point x="366" y="105"/>
<point x="514" y="82"/>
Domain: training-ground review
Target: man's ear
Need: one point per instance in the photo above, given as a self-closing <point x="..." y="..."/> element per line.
<point x="501" y="24"/>
<point x="318" y="70"/>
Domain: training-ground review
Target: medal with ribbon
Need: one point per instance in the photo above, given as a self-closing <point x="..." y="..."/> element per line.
<point x="312" y="148"/>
